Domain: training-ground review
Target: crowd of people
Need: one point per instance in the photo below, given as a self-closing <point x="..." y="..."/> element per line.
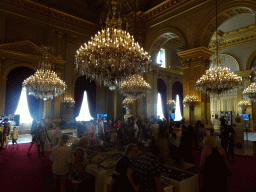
<point x="145" y="142"/>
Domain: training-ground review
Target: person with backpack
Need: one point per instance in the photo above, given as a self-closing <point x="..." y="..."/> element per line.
<point x="78" y="172"/>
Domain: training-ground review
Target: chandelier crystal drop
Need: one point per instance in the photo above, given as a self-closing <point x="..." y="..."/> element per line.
<point x="45" y="83"/>
<point x="250" y="92"/>
<point x="112" y="54"/>
<point x="134" y="87"/>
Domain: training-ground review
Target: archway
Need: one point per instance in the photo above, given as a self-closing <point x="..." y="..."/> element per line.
<point x="85" y="84"/>
<point x="177" y="89"/>
<point x="160" y="38"/>
<point x="13" y="90"/>
<point x="225" y="12"/>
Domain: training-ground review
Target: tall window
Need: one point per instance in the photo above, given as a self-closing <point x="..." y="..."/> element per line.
<point x="178" y="116"/>
<point x="22" y="108"/>
<point x="161" y="58"/>
<point x="84" y="114"/>
<point x="160" y="114"/>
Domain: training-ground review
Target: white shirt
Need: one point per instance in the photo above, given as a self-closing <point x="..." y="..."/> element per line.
<point x="101" y="127"/>
<point x="61" y="157"/>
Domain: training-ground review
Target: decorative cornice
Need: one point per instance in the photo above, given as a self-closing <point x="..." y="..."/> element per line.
<point x="53" y="13"/>
<point x="196" y="52"/>
<point x="26" y="50"/>
<point x="160" y="9"/>
<point x="243" y="73"/>
<point x="167" y="71"/>
<point x="238" y="37"/>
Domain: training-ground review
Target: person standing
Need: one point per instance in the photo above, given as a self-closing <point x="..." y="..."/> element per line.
<point x="34" y="127"/>
<point x="101" y="129"/>
<point x="6" y="133"/>
<point x="40" y="139"/>
<point x="91" y="128"/>
<point x="1" y="136"/>
<point x="154" y="128"/>
<point x="214" y="166"/>
<point x="14" y="135"/>
<point x="120" y="180"/>
<point x="231" y="142"/>
<point x="61" y="158"/>
<point x="143" y="173"/>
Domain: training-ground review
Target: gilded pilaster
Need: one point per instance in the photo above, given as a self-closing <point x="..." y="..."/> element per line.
<point x="195" y="62"/>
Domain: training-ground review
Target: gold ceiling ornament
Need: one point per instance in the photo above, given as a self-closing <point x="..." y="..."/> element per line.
<point x="218" y="79"/>
<point x="250" y="92"/>
<point x="112" y="55"/>
<point x="134" y="87"/>
<point x="244" y="104"/>
<point x="68" y="100"/>
<point x="190" y="101"/>
<point x="45" y="83"/>
<point x="171" y="103"/>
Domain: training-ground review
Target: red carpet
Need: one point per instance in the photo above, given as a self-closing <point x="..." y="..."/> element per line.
<point x="243" y="178"/>
<point x="19" y="172"/>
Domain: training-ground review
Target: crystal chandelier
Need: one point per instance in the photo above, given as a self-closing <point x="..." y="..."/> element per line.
<point x="250" y="92"/>
<point x="243" y="104"/>
<point x="112" y="54"/>
<point x="134" y="87"/>
<point x="68" y="100"/>
<point x="190" y="101"/>
<point x="45" y="83"/>
<point x="171" y="103"/>
<point x="127" y="102"/>
<point x="218" y="79"/>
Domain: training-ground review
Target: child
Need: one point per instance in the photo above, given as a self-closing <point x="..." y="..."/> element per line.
<point x="14" y="135"/>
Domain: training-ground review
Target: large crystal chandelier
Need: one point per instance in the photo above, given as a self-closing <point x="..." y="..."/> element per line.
<point x="243" y="104"/>
<point x="134" y="87"/>
<point x="112" y="54"/>
<point x="190" y="101"/>
<point x="250" y="92"/>
<point x="218" y="79"/>
<point x="45" y="83"/>
<point x="127" y="102"/>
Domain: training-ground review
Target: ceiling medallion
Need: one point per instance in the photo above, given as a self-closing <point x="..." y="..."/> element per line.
<point x="112" y="55"/>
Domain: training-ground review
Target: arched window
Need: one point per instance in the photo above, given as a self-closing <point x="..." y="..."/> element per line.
<point x="161" y="58"/>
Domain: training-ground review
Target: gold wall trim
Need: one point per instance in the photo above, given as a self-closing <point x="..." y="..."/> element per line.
<point x="28" y="5"/>
<point x="240" y="40"/>
<point x="243" y="73"/>
<point x="196" y="52"/>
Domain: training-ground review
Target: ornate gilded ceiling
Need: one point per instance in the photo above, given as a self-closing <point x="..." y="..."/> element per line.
<point x="91" y="10"/>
